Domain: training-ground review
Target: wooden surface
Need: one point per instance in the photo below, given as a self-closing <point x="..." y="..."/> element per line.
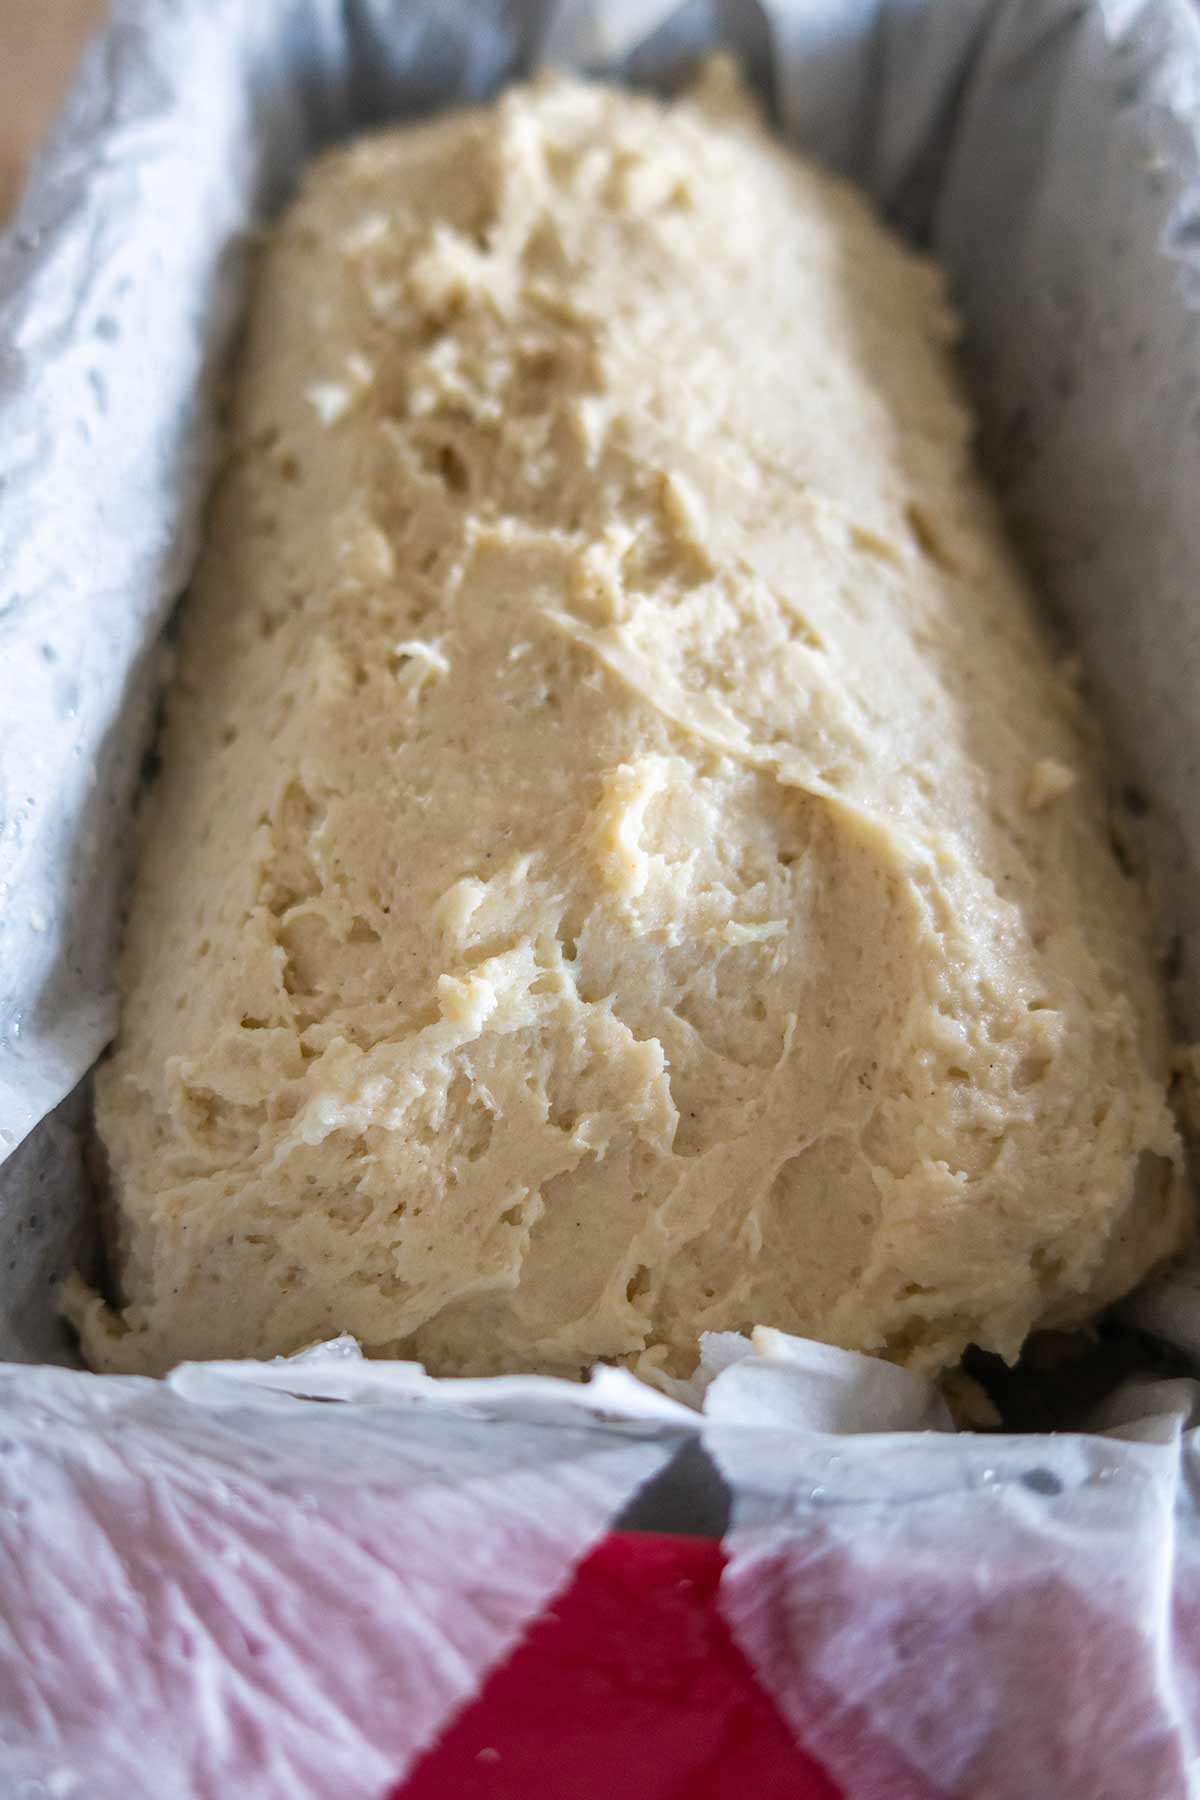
<point x="40" y="41"/>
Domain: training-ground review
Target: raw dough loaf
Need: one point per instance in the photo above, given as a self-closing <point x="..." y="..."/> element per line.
<point x="625" y="863"/>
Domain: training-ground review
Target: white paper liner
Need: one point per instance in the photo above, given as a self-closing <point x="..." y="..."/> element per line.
<point x="964" y="1615"/>
<point x="211" y="1584"/>
<point x="215" y="1588"/>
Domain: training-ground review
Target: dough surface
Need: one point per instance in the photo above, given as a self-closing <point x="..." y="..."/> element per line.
<point x="625" y="862"/>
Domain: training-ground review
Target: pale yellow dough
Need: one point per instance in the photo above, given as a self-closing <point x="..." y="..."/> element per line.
<point x="625" y="863"/>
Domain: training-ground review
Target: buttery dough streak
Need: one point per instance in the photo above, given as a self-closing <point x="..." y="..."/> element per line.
<point x="625" y="862"/>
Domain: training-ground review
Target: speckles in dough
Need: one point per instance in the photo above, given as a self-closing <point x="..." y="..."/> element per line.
<point x="625" y="863"/>
<point x="1048" y="781"/>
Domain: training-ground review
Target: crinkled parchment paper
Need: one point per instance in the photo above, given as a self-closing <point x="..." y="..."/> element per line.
<point x="935" y="1612"/>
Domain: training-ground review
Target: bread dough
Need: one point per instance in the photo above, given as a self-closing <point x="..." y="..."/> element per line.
<point x="626" y="863"/>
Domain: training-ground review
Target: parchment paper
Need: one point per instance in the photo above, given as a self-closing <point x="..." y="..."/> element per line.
<point x="218" y="1589"/>
<point x="916" y="1598"/>
<point x="210" y="1584"/>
